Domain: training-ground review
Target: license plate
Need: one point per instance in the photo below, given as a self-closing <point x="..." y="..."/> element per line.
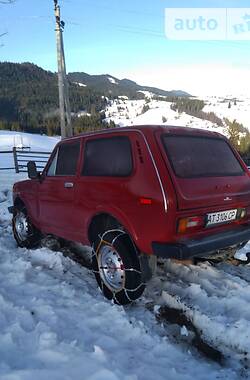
<point x="221" y="217"/>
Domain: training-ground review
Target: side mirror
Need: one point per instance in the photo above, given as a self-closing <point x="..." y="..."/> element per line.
<point x="32" y="170"/>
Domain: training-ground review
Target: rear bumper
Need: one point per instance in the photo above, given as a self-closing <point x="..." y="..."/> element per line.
<point x="190" y="248"/>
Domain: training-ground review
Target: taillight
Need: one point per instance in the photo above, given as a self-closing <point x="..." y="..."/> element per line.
<point x="190" y="224"/>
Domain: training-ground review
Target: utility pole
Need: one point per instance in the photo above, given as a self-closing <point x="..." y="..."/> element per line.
<point x="65" y="114"/>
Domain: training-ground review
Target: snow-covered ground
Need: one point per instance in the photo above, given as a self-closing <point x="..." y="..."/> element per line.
<point x="131" y="113"/>
<point x="112" y="80"/>
<point x="239" y="112"/>
<point x="8" y="140"/>
<point x="55" y="323"/>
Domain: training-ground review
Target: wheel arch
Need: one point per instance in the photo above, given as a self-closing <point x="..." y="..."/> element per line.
<point x="18" y="202"/>
<point x="100" y="223"/>
<point x="120" y="221"/>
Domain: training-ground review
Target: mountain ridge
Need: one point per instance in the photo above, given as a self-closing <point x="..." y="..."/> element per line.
<point x="29" y="96"/>
<point x="118" y="87"/>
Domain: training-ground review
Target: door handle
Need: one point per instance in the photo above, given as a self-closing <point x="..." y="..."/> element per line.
<point x="68" y="185"/>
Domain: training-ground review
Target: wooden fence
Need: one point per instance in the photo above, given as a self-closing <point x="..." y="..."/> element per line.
<point x="22" y="156"/>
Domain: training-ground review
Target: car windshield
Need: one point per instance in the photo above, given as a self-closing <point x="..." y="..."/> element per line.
<point x="195" y="156"/>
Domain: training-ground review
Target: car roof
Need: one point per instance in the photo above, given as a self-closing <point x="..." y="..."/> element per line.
<point x="152" y="128"/>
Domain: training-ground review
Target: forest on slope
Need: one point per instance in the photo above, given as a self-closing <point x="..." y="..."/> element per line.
<point x="29" y="99"/>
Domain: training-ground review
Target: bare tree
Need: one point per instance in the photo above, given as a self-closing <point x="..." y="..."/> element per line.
<point x="1" y="35"/>
<point x="5" y="2"/>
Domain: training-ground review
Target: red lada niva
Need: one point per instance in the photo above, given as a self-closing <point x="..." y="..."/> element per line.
<point x="135" y="194"/>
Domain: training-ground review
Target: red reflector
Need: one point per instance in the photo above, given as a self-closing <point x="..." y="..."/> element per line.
<point x="145" y="201"/>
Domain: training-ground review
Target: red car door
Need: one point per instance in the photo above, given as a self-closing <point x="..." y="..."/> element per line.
<point x="57" y="191"/>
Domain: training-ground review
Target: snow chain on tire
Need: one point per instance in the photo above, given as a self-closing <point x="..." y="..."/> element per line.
<point x="134" y="287"/>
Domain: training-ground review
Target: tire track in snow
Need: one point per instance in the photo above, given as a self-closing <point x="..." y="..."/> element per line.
<point x="137" y="312"/>
<point x="55" y="302"/>
<point x="217" y="303"/>
<point x="242" y="271"/>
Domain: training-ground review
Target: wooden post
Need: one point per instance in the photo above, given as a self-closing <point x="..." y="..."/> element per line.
<point x="65" y="114"/>
<point x="15" y="160"/>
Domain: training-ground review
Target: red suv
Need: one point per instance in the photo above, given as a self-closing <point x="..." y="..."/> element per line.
<point x="135" y="194"/>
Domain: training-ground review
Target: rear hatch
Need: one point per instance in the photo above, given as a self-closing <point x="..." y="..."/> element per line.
<point x="205" y="171"/>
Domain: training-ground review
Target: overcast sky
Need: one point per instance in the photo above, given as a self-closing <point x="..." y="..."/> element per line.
<point x="126" y="39"/>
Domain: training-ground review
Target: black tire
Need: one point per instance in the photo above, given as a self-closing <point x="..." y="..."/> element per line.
<point x="25" y="233"/>
<point x="127" y="284"/>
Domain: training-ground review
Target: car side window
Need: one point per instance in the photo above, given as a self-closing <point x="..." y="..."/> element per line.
<point x="110" y="157"/>
<point x="52" y="169"/>
<point x="65" y="160"/>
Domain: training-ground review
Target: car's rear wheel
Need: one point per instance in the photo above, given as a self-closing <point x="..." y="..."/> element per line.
<point x="25" y="233"/>
<point x="117" y="268"/>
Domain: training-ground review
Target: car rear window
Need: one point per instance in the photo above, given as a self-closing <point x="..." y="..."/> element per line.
<point x="109" y="157"/>
<point x="195" y="156"/>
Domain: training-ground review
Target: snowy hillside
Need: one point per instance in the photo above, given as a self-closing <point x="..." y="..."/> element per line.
<point x="239" y="111"/>
<point x="133" y="112"/>
<point x="56" y="325"/>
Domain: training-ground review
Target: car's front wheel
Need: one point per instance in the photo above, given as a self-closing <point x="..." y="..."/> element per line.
<point x="117" y="268"/>
<point x="25" y="233"/>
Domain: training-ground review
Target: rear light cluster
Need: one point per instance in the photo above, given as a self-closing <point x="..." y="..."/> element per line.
<point x="190" y="224"/>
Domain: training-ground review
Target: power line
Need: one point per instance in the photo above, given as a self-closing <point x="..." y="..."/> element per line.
<point x="131" y="29"/>
<point x="118" y="9"/>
